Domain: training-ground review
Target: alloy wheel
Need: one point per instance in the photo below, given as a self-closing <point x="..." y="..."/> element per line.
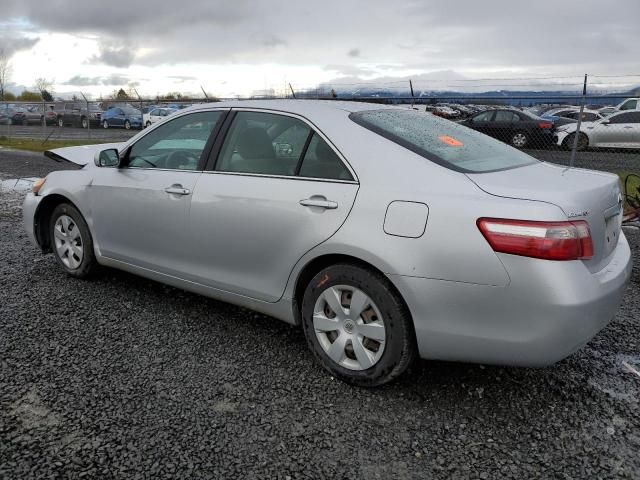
<point x="68" y="241"/>
<point x="105" y="124"/>
<point x="349" y="327"/>
<point x="519" y="140"/>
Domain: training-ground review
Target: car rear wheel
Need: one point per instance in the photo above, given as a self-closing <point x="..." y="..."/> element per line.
<point x="148" y="124"/>
<point x="105" y="124"/>
<point x="582" y="145"/>
<point x="25" y="122"/>
<point x="84" y="122"/>
<point x="519" y="139"/>
<point x="127" y="125"/>
<point x="71" y="241"/>
<point x="357" y="326"/>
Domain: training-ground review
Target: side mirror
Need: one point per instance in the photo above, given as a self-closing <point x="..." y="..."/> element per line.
<point x="605" y="122"/>
<point x="107" y="158"/>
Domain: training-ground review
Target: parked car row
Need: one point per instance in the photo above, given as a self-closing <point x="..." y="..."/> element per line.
<point x="13" y="114"/>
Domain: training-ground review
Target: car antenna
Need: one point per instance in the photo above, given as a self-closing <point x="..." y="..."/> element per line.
<point x="412" y="96"/>
<point x="577" y="134"/>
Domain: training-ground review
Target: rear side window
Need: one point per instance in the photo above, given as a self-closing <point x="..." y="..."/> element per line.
<point x="441" y="141"/>
<point x="320" y="161"/>
<point x="272" y="144"/>
<point x="263" y="143"/>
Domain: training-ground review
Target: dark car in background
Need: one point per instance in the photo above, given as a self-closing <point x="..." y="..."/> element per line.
<point x="519" y="129"/>
<point x="124" y="117"/>
<point x="79" y="114"/>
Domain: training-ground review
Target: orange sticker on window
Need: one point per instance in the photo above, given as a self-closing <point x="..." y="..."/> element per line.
<point x="452" y="142"/>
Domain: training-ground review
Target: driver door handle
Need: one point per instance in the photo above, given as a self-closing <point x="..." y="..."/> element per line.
<point x="177" y="190"/>
<point x="321" y="202"/>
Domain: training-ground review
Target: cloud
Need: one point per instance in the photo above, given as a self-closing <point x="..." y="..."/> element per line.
<point x="577" y="36"/>
<point x="120" y="56"/>
<point x="111" y="80"/>
<point x="11" y="44"/>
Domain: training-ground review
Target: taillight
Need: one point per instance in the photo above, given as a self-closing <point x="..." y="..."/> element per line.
<point x="546" y="240"/>
<point x="545" y="125"/>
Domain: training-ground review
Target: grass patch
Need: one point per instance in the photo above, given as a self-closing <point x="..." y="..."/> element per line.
<point x="38" y="145"/>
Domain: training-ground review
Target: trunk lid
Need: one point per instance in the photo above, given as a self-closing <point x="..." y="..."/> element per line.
<point x="581" y="194"/>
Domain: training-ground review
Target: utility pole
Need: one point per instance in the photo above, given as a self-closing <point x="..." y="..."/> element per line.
<point x="205" y="93"/>
<point x="88" y="116"/>
<point x="412" y="96"/>
<point x="577" y="134"/>
<point x="292" y="92"/>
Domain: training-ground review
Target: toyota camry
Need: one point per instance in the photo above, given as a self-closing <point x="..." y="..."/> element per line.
<point x="387" y="234"/>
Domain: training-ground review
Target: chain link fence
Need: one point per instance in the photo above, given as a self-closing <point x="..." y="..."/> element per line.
<point x="592" y="131"/>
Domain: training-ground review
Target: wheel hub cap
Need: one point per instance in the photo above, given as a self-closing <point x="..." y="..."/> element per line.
<point x="349" y="327"/>
<point x="68" y="242"/>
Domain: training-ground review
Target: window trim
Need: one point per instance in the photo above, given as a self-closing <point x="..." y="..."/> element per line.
<point x="212" y="162"/>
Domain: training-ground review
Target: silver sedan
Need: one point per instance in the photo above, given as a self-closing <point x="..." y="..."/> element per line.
<point x="387" y="234"/>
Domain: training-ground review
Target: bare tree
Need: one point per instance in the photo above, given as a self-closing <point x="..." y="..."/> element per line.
<point x="5" y="71"/>
<point x="42" y="84"/>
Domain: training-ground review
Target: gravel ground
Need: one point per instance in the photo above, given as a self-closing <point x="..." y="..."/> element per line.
<point x="121" y="377"/>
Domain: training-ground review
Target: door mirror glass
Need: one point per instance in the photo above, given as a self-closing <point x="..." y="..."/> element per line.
<point x="107" y="158"/>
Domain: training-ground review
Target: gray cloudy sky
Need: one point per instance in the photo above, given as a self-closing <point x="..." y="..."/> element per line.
<point x="234" y="47"/>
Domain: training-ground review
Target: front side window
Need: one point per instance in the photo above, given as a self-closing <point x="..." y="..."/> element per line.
<point x="441" y="141"/>
<point x="629" y="117"/>
<point x="177" y="145"/>
<point x="263" y="143"/>
<point x="629" y="105"/>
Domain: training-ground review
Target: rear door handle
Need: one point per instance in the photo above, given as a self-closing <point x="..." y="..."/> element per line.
<point x="321" y="202"/>
<point x="177" y="190"/>
<point x="628" y="126"/>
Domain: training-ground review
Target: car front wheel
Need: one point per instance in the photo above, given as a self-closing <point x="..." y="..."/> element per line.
<point x="84" y="122"/>
<point x="357" y="326"/>
<point x="60" y="122"/>
<point x="71" y="241"/>
<point x="582" y="144"/>
<point x="127" y="125"/>
<point x="105" y="124"/>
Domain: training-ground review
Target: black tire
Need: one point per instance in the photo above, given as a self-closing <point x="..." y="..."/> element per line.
<point x="148" y="124"/>
<point x="84" y="123"/>
<point x="520" y="139"/>
<point x="127" y="125"/>
<point x="400" y="344"/>
<point x="583" y="142"/>
<point x="88" y="265"/>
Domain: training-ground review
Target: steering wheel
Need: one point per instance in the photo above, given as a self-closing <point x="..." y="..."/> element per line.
<point x="179" y="157"/>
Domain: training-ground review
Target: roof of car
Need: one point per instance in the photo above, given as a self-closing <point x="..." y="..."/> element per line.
<point x="300" y="107"/>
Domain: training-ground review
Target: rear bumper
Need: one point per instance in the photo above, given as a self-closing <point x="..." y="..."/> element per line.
<point x="548" y="311"/>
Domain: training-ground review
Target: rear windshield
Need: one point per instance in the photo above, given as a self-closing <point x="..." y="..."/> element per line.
<point x="442" y="141"/>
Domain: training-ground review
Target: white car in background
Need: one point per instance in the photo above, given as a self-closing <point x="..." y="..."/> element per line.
<point x="156" y="114"/>
<point x="618" y="130"/>
<point x="629" y="104"/>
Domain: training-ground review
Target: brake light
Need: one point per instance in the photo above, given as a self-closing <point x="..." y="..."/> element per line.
<point x="545" y="240"/>
<point x="545" y="125"/>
